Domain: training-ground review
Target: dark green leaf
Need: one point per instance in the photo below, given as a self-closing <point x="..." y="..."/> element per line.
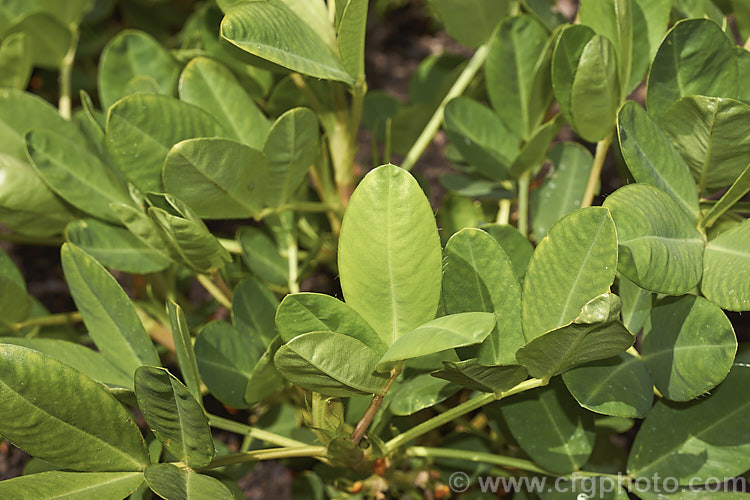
<point x="478" y="377"/>
<point x="534" y="151"/>
<point x="15" y="61"/>
<point x="636" y="304"/>
<point x="173" y="483"/>
<point x="48" y="38"/>
<point x="71" y="485"/>
<point x="471" y="22"/>
<point x="183" y="344"/>
<point x="739" y="188"/>
<point x="262" y="256"/>
<point x="254" y="310"/>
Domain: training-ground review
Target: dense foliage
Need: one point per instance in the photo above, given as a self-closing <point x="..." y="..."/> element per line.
<point x="525" y="332"/>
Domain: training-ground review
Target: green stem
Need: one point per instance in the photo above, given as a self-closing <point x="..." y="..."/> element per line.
<point x="631" y="350"/>
<point x="458" y="88"/>
<point x="523" y="204"/>
<point x="66" y="70"/>
<point x="213" y="289"/>
<point x="272" y="454"/>
<point x="246" y="430"/>
<point x="19" y="239"/>
<point x="473" y="456"/>
<point x="50" y="320"/>
<point x="503" y="213"/>
<point x="596" y="170"/>
<point x="457" y="411"/>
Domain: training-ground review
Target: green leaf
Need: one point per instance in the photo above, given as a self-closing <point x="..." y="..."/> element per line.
<point x="650" y="17"/>
<point x="739" y="188"/>
<point x="21" y="112"/>
<point x="107" y="312"/>
<point x="131" y="55"/>
<point x="575" y="262"/>
<point x="273" y="31"/>
<point x="535" y="150"/>
<point x="9" y="270"/>
<point x="387" y="226"/>
<point x="212" y="87"/>
<point x="516" y="246"/>
<point x="471" y="22"/>
<point x="420" y="392"/>
<point x="351" y="37"/>
<point x="15" y="61"/>
<point x="560" y="193"/>
<point x="702" y="439"/>
<point x="266" y="379"/>
<point x="15" y="303"/>
<point x="614" y="20"/>
<point x="652" y="159"/>
<point x="565" y="58"/>
<point x="636" y="304"/>
<point x="87" y="361"/>
<point x="589" y="338"/>
<point x="660" y="249"/>
<point x="481" y="138"/>
<point x="142" y="128"/>
<point x="262" y="255"/>
<point x="688" y="346"/>
<point x="707" y="131"/>
<point x="478" y="377"/>
<point x="551" y="428"/>
<point x="595" y="91"/>
<point x="48" y="38"/>
<point x="446" y="332"/>
<point x="544" y="11"/>
<point x="174" y="416"/>
<point x="173" y="483"/>
<point x="75" y="174"/>
<point x="696" y="57"/>
<point x="218" y="178"/>
<point x="478" y="276"/>
<point x="183" y="344"/>
<point x="693" y="494"/>
<point x="71" y="485"/>
<point x="511" y="67"/>
<point x="90" y="432"/>
<point x="302" y="313"/>
<point x="291" y="148"/>
<point x="114" y="246"/>
<point x="331" y="364"/>
<point x="146" y="230"/>
<point x="226" y="360"/>
<point x="189" y="236"/>
<point x="619" y="386"/>
<point x="254" y="310"/>
<point x="725" y="262"/>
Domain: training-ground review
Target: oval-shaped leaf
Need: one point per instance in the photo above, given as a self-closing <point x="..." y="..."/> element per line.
<point x="141" y="129"/>
<point x="52" y="485"/>
<point x="575" y="262"/>
<point x="636" y="304"/>
<point x="218" y="178"/>
<point x="115" y="247"/>
<point x="478" y="276"/>
<point x="619" y="386"/>
<point x="173" y="483"/>
<point x="15" y="61"/>
<point x="262" y="255"/>
<point x="516" y="246"/>
<point x="107" y="312"/>
<point x="76" y="174"/>
<point x="660" y="249"/>
<point x="550" y="427"/>
<point x="254" y="309"/>
<point x="567" y="53"/>
<point x="726" y="262"/>
<point x="48" y="37"/>
<point x="273" y="31"/>
<point x="212" y="87"/>
<point x="707" y="131"/>
<point x="301" y="313"/>
<point x="174" y="416"/>
<point x="129" y="55"/>
<point x="389" y="225"/>
<point x="330" y="363"/>
<point x="652" y="159"/>
<point x="471" y="22"/>
<point x="420" y="392"/>
<point x="478" y="377"/>
<point x="688" y="346"/>
<point x="699" y="440"/>
<point x="446" y="332"/>
<point x="351" y="37"/>
<point x="695" y="57"/>
<point x="91" y="431"/>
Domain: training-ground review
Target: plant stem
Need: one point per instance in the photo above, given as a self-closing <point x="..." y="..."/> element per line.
<point x="458" y="88"/>
<point x="66" y="70"/>
<point x="246" y="430"/>
<point x="596" y="170"/>
<point x="472" y="456"/>
<point x="503" y="212"/>
<point x="214" y="290"/>
<point x="631" y="350"/>
<point x="19" y="239"/>
<point x="523" y="204"/>
<point x="231" y="246"/>
<point x="50" y="320"/>
<point x="459" y="410"/>
<point x="372" y="409"/>
<point x="272" y="454"/>
<point x="293" y="260"/>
